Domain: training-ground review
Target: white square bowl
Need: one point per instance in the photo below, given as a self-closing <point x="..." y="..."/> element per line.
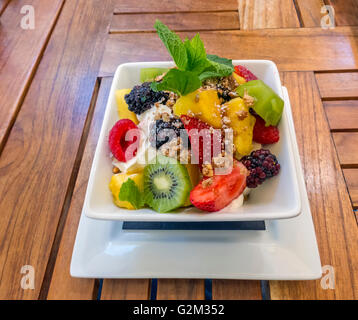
<point x="277" y="198"/>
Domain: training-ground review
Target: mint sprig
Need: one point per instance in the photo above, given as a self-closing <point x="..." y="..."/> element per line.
<point x="194" y="65"/>
<point x="130" y="192"/>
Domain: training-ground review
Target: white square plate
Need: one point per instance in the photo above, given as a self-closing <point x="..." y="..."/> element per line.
<point x="277" y="198"/>
<point x="286" y="250"/>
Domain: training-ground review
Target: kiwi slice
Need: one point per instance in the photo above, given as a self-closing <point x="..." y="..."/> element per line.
<point x="166" y="185"/>
<point x="149" y="74"/>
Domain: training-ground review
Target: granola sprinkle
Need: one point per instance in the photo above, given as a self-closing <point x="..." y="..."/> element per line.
<point x="242" y="114"/>
<point x="249" y="100"/>
<point x="207" y="182"/>
<point x="208" y="170"/>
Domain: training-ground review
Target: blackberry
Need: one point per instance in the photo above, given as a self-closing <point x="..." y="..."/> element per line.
<point x="142" y="97"/>
<point x="262" y="165"/>
<point x="162" y="132"/>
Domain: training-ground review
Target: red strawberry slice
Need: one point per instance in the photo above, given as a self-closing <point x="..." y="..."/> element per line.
<point x="263" y="134"/>
<point x="245" y="73"/>
<point x="124" y="140"/>
<point x="205" y="141"/>
<point x="216" y="193"/>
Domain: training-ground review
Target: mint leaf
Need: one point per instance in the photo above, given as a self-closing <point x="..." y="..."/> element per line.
<point x="218" y="67"/>
<point x="224" y="61"/>
<point x="195" y="50"/>
<point x="180" y="82"/>
<point x="130" y="192"/>
<point x="173" y="44"/>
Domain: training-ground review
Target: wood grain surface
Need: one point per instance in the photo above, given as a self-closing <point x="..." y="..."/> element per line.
<point x="338" y="85"/>
<point x="38" y="159"/>
<point x="52" y="101"/>
<point x="174" y="6"/>
<point x="335" y="224"/>
<point x="62" y="285"/>
<point x="346" y="144"/>
<point x="261" y="14"/>
<point x="125" y="289"/>
<point x="180" y="289"/>
<point x="351" y="176"/>
<point x="346" y="12"/>
<point x="3" y="5"/>
<point x="236" y="290"/>
<point x="342" y="115"/>
<point x="310" y="12"/>
<point x="198" y="21"/>
<point x="290" y="49"/>
<point x="20" y="53"/>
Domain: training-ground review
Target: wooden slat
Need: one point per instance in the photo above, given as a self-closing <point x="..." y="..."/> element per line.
<point x="3" y="5"/>
<point x="236" y="290"/>
<point x="342" y="114"/>
<point x="136" y="289"/>
<point x="291" y="49"/>
<point x="351" y="176"/>
<point x="346" y="12"/>
<point x="125" y="289"/>
<point x="62" y="285"/>
<point x="20" y="52"/>
<point x="38" y="160"/>
<point x="175" y="21"/>
<point x="310" y="12"/>
<point x="335" y="225"/>
<point x="338" y="85"/>
<point x="347" y="146"/>
<point x="180" y="289"/>
<point x="174" y="6"/>
<point x="261" y="14"/>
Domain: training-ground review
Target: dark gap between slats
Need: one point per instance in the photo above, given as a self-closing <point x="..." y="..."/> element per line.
<point x="153" y="289"/>
<point x="339" y="98"/>
<point x="336" y="71"/>
<point x="299" y="14"/>
<point x="345" y="130"/>
<point x="208" y="289"/>
<point x="118" y="13"/>
<point x="111" y="31"/>
<point x="99" y="290"/>
<point x="265" y="290"/>
<point x="222" y="225"/>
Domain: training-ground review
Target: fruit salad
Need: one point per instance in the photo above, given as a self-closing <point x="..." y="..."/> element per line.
<point x="197" y="134"/>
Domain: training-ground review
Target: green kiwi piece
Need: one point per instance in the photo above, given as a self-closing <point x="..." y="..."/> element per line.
<point x="149" y="74"/>
<point x="166" y="185"/>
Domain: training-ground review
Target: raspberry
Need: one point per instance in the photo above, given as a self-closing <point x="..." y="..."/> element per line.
<point x="263" y="134"/>
<point x="162" y="132"/>
<point x="142" y="98"/>
<point x="119" y="143"/>
<point x="262" y="165"/>
<point x="245" y="73"/>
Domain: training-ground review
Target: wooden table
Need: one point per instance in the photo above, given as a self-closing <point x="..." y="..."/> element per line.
<point x="54" y="83"/>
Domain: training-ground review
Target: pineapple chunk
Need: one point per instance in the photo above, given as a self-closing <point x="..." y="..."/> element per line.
<point x="239" y="79"/>
<point x="242" y="122"/>
<point x="122" y="107"/>
<point x="194" y="174"/>
<point x="116" y="183"/>
<point x="204" y="105"/>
